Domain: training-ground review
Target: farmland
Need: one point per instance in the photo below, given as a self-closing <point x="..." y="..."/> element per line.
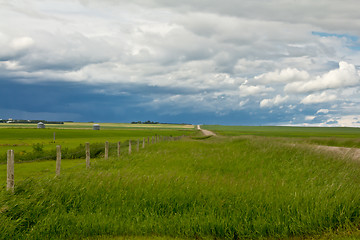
<point x="334" y="136"/>
<point x="24" y="138"/>
<point x="244" y="183"/>
<point x="280" y="131"/>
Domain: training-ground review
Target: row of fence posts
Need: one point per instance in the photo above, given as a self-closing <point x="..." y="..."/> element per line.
<point x="11" y="156"/>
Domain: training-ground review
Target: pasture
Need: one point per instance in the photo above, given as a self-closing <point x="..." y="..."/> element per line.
<point x="241" y="184"/>
<point x="283" y="131"/>
<point x="29" y="142"/>
<point x="329" y="136"/>
<point x="81" y="125"/>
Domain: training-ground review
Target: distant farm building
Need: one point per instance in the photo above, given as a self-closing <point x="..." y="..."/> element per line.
<point x="96" y="127"/>
<point x="40" y="125"/>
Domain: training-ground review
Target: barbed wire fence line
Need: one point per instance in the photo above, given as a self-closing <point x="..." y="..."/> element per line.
<point x="118" y="149"/>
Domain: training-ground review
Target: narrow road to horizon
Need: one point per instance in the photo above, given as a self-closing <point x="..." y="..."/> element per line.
<point x="206" y="132"/>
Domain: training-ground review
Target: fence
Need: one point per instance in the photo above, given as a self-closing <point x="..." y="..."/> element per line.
<point x="11" y="155"/>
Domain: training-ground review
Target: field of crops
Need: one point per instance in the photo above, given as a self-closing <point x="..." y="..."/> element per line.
<point x="244" y="183"/>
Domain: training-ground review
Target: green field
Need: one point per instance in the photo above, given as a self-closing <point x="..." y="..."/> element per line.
<point x="278" y="131"/>
<point x="24" y="140"/>
<point x="334" y="136"/>
<point x="78" y="125"/>
<point x="246" y="183"/>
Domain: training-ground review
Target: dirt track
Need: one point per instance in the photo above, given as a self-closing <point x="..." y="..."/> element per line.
<point x="353" y="153"/>
<point x="206" y="132"/>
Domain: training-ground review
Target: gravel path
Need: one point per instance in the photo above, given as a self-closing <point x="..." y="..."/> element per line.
<point x="206" y="132"/>
<point x="353" y="153"/>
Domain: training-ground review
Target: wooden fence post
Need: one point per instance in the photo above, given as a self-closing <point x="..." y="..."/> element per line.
<point x="148" y="140"/>
<point x="10" y="170"/>
<point x="129" y="146"/>
<point x="143" y="145"/>
<point x="106" y="150"/>
<point x="87" y="152"/>
<point x="138" y="145"/>
<point x="118" y="149"/>
<point x="58" y="160"/>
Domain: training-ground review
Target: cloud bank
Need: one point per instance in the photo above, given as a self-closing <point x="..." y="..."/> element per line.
<point x="229" y="61"/>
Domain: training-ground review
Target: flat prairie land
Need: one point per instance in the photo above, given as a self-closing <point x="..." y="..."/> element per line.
<point x="79" y="125"/>
<point x="284" y="131"/>
<point x="231" y="186"/>
<point x="329" y="136"/>
<point x="23" y="139"/>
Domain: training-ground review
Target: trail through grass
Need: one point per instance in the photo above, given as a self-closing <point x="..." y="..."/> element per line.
<point x="279" y="131"/>
<point x="330" y="136"/>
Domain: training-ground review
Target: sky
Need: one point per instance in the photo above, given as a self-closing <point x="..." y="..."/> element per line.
<point x="230" y="62"/>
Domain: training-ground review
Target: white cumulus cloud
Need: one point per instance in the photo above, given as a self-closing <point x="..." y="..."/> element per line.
<point x="319" y="98"/>
<point x="246" y="90"/>
<point x="274" y="101"/>
<point x="243" y="103"/>
<point x="285" y="75"/>
<point x="324" y="111"/>
<point x="345" y="76"/>
<point x="309" y="118"/>
<point x="21" y="43"/>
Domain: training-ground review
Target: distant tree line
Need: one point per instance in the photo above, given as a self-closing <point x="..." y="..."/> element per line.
<point x="147" y="122"/>
<point x="151" y="122"/>
<point x="29" y="121"/>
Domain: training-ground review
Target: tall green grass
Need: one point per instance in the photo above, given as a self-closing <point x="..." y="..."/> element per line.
<point x="330" y="136"/>
<point x="215" y="188"/>
<point x="32" y="144"/>
<point x="40" y="169"/>
<point x="23" y="136"/>
<point x="282" y="131"/>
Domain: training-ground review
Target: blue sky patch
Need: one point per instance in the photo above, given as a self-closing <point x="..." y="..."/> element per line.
<point x="352" y="40"/>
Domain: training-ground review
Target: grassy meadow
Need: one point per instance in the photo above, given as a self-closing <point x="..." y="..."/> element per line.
<point x="283" y="131"/>
<point x="330" y="136"/>
<point x="30" y="143"/>
<point x="82" y="125"/>
<point x="232" y="186"/>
